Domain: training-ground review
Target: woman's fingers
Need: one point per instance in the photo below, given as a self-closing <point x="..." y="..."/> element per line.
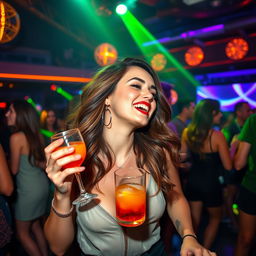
<point x="62" y="178"/>
<point x="51" y="147"/>
<point x="68" y="159"/>
<point x="198" y="252"/>
<point x="57" y="157"/>
<point x="208" y="253"/>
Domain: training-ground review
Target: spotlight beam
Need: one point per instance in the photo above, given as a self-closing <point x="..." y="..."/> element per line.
<point x="141" y="35"/>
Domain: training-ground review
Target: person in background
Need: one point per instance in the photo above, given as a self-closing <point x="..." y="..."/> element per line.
<point x="6" y="189"/>
<point x="26" y="162"/>
<point x="4" y="133"/>
<point x="123" y="118"/>
<point x="242" y="111"/>
<point x="209" y="153"/>
<point x="185" y="113"/>
<point x="49" y="124"/>
<point x="246" y="154"/>
<point x="6" y="184"/>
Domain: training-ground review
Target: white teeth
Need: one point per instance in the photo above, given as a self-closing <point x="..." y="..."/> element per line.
<point x="142" y="106"/>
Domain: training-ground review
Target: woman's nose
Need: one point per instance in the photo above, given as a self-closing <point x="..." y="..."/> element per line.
<point x="147" y="94"/>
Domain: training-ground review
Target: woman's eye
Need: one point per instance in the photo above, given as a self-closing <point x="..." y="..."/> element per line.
<point x="136" y="86"/>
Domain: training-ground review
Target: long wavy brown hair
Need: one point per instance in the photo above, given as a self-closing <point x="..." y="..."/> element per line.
<point x="201" y="123"/>
<point x="153" y="144"/>
<point x="27" y="121"/>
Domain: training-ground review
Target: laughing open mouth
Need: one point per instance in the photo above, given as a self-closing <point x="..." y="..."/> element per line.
<point x="143" y="107"/>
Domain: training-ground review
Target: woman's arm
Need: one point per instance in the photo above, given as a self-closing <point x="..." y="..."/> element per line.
<point x="15" y="152"/>
<point x="6" y="184"/>
<point x="223" y="149"/>
<point x="177" y="205"/>
<point x="60" y="230"/>
<point x="179" y="212"/>
<point x="241" y="155"/>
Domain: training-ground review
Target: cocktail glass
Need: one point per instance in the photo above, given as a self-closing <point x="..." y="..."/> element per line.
<point x="73" y="138"/>
<point x="130" y="196"/>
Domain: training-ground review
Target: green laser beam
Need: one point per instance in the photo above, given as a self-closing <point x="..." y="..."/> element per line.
<point x="141" y="35"/>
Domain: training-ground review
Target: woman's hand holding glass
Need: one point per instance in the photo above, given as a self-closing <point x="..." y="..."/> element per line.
<point x="65" y="155"/>
<point x="56" y="159"/>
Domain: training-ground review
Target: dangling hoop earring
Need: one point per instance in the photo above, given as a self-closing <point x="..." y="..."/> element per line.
<point x="110" y="116"/>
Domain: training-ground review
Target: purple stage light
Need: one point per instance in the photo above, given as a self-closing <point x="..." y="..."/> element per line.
<point x="229" y="95"/>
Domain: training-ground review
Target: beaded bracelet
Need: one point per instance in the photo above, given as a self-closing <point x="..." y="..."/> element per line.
<point x="60" y="214"/>
<point x="192" y="235"/>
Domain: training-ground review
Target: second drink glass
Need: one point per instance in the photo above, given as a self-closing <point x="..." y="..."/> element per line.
<point x="130" y="195"/>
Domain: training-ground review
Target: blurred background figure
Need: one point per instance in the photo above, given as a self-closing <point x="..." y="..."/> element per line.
<point x="246" y="154"/>
<point x="49" y="124"/>
<point x="242" y="111"/>
<point x="6" y="189"/>
<point x="32" y="186"/>
<point x="185" y="113"/>
<point x="4" y="133"/>
<point x="6" y="184"/>
<point x="209" y="153"/>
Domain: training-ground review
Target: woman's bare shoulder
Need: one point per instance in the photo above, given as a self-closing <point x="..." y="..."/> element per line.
<point x="18" y="138"/>
<point x="217" y="136"/>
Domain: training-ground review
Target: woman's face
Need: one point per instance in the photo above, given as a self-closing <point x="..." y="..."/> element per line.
<point x="51" y="118"/>
<point x="217" y="117"/>
<point x="11" y="116"/>
<point x="133" y="100"/>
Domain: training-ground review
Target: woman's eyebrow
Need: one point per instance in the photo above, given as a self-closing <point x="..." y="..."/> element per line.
<point x="142" y="81"/>
<point x="137" y="78"/>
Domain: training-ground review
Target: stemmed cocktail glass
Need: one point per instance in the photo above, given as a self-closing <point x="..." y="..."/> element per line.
<point x="73" y="138"/>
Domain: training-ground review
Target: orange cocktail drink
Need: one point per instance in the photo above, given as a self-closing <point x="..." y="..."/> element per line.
<point x="80" y="149"/>
<point x="73" y="138"/>
<point x="130" y="196"/>
<point x="130" y="204"/>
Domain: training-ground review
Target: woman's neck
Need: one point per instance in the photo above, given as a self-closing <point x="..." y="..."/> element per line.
<point x="120" y="143"/>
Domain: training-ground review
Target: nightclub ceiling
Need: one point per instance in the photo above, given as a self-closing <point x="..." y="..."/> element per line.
<point x="71" y="29"/>
<point x="65" y="33"/>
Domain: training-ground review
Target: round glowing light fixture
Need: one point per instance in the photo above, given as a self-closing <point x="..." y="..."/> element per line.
<point x="158" y="62"/>
<point x="174" y="97"/>
<point x="121" y="9"/>
<point x="105" y="54"/>
<point x="237" y="48"/>
<point x="194" y="56"/>
<point x="9" y="23"/>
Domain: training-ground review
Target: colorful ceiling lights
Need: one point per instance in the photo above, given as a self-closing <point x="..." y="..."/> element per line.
<point x="158" y="62"/>
<point x="9" y="23"/>
<point x="194" y="56"/>
<point x="105" y="54"/>
<point x="237" y="48"/>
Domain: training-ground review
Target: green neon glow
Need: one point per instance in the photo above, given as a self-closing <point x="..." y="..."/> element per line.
<point x="31" y="102"/>
<point x="142" y="35"/>
<point x="235" y="209"/>
<point x="65" y="94"/>
<point x="92" y="17"/>
<point x="46" y="133"/>
<point x="235" y="206"/>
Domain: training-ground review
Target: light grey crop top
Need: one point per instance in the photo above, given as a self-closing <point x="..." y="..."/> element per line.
<point x="99" y="234"/>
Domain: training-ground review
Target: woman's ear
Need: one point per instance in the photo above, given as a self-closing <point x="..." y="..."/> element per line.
<point x="106" y="101"/>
